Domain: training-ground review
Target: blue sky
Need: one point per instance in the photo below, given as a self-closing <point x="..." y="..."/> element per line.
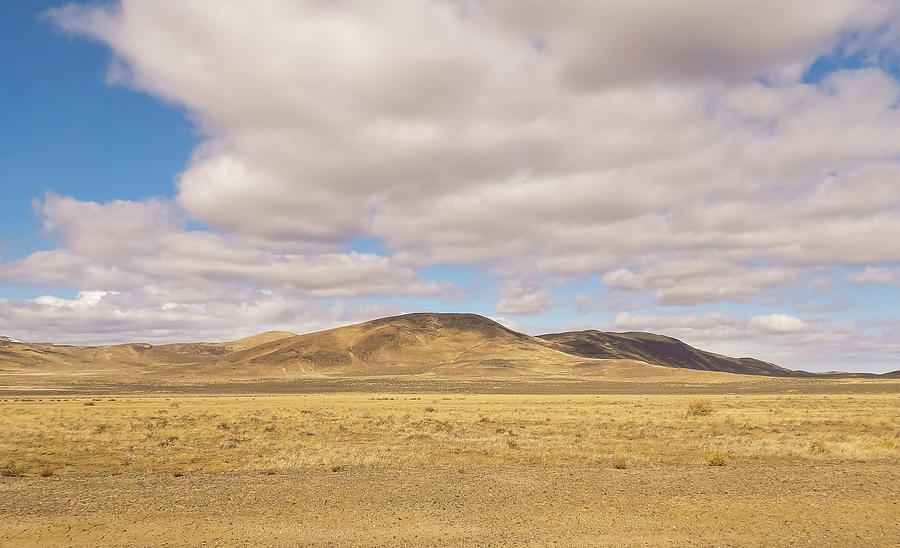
<point x="338" y="177"/>
<point x="67" y="132"/>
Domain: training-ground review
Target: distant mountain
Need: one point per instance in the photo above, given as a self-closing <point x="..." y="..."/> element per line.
<point x="8" y="340"/>
<point x="458" y="345"/>
<point x="435" y="345"/>
<point x="660" y="350"/>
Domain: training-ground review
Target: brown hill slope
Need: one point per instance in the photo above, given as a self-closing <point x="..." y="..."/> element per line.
<point x="450" y="344"/>
<point x="420" y="344"/>
<point x="660" y="350"/>
<point x="424" y="344"/>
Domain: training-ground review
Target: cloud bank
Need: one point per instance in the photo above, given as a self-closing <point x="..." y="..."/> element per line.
<point x="672" y="151"/>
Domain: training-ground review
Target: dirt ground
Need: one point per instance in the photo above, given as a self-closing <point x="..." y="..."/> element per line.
<point x="13" y="385"/>
<point x="819" y="504"/>
<point x="790" y="466"/>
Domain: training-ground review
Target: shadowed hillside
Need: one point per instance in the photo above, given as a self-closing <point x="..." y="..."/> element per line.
<point x="441" y="344"/>
<point x="660" y="350"/>
<point x="457" y="345"/>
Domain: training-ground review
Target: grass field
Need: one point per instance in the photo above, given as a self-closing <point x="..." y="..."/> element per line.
<point x="734" y="448"/>
<point x="283" y="433"/>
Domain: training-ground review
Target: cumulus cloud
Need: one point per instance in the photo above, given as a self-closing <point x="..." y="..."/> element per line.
<point x="673" y="149"/>
<point x="523" y="300"/>
<point x="127" y="245"/>
<point x="482" y="139"/>
<point x="97" y="317"/>
<point x="876" y="276"/>
<point x="687" y="282"/>
<point x="778" y="323"/>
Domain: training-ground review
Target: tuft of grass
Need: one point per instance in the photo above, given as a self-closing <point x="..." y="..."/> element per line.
<point x="12" y="470"/>
<point x="717" y="457"/>
<point x="699" y="408"/>
<point x="168" y="441"/>
<point x="619" y="463"/>
<point x="46" y="472"/>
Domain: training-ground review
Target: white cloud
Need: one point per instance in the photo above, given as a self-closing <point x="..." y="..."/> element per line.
<point x="876" y="276"/>
<point x="481" y="139"/>
<point x="131" y="245"/>
<point x="778" y="323"/>
<point x="83" y="300"/>
<point x="671" y="147"/>
<point x="523" y="300"/>
<point x="687" y="282"/>
<point x="98" y="318"/>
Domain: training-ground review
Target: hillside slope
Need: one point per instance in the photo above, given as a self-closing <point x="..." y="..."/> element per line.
<point x="412" y="344"/>
<point x="448" y="344"/>
<point x="660" y="350"/>
<point x="459" y="345"/>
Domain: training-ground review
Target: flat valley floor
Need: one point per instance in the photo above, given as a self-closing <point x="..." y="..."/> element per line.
<point x="787" y="466"/>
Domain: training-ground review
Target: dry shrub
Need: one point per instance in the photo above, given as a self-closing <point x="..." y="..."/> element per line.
<point x="699" y="408"/>
<point x="12" y="470"/>
<point x="717" y="457"/>
<point x="620" y="458"/>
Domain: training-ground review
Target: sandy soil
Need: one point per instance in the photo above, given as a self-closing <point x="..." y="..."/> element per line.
<point x="17" y="386"/>
<point x="810" y="463"/>
<point x="819" y="504"/>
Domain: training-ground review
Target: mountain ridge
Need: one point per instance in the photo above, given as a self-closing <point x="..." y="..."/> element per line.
<point x="660" y="350"/>
<point x="434" y="344"/>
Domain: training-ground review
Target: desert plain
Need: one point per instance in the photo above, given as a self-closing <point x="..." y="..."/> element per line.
<point x="745" y="461"/>
<point x="440" y="430"/>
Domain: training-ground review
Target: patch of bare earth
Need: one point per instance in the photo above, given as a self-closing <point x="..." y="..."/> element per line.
<point x="820" y="504"/>
<point x="392" y="469"/>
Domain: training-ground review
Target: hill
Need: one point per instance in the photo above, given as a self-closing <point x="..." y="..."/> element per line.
<point x="418" y="344"/>
<point x="660" y="350"/>
<point x="457" y="345"/>
<point x="437" y="345"/>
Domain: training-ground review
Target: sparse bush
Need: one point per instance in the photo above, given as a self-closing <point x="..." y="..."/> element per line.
<point x="168" y="441"/>
<point x="699" y="408"/>
<point x="46" y="472"/>
<point x="89" y="403"/>
<point x="717" y="457"/>
<point x="430" y="410"/>
<point x="619" y="463"/>
<point x="12" y="470"/>
<point x="100" y="428"/>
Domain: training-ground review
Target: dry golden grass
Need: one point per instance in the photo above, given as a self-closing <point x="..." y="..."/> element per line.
<point x="717" y="457"/>
<point x="700" y="408"/>
<point x="284" y="433"/>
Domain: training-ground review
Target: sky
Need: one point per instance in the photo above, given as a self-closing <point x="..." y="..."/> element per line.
<point x="727" y="173"/>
